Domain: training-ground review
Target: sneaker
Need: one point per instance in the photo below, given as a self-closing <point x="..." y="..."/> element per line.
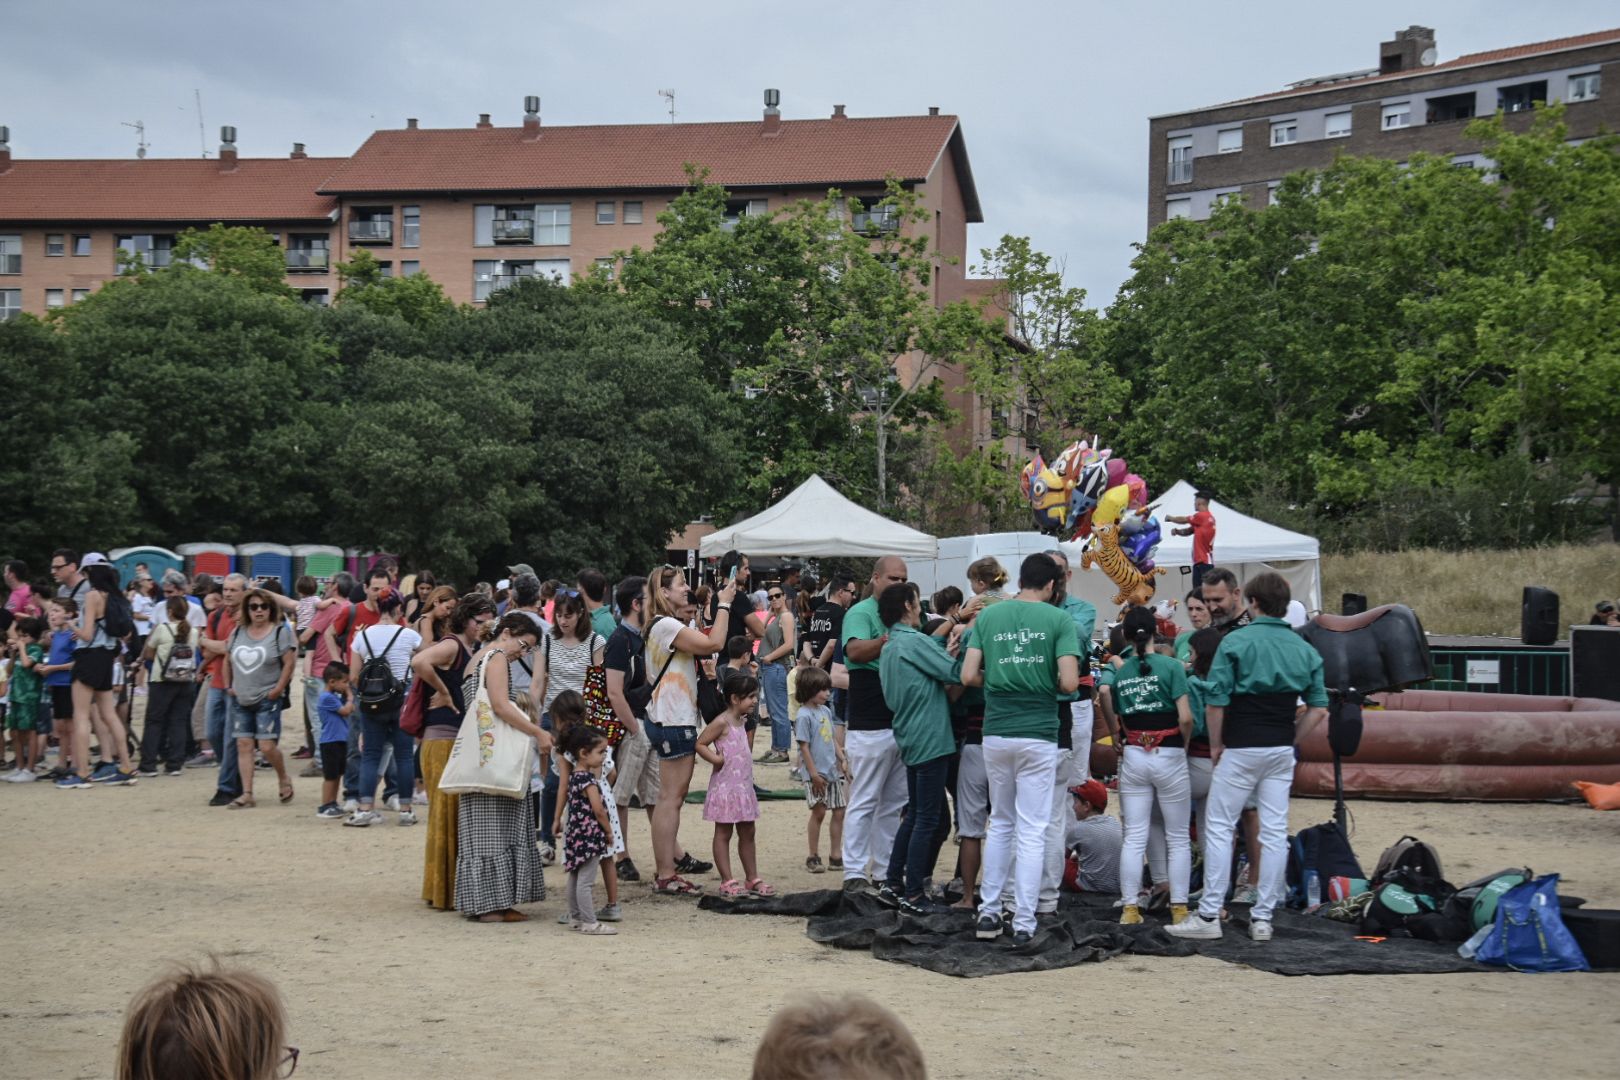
<point x="221" y="798"/>
<point x="120" y="778"/>
<point x="103" y="773"/>
<point x="796" y="774"/>
<point x="1245" y="894"/>
<point x="688" y="865"/>
<point x="988" y="927"/>
<point x="202" y="760"/>
<point x="22" y="776"/>
<point x="1197" y="927"/>
<point x="407" y="818"/>
<point x="814" y="865"/>
<point x="351" y="806"/>
<point x="597" y="929"/>
<point x="857" y="886"/>
<point x="772" y="757"/>
<point x="626" y="870"/>
<point x="147" y="773"/>
<point x="303" y="752"/>
<point x="1260" y="930"/>
<point x="61" y="772"/>
<point x="73" y="782"/>
<point x="922" y="905"/>
<point x="361" y="818"/>
<point x="548" y="854"/>
<point x="392" y="802"/>
<point x="888" y="895"/>
<point x="310" y="771"/>
<point x="419" y="799"/>
<point x="608" y="913"/>
<point x="835" y="862"/>
<point x="174" y="772"/>
<point x="331" y="812"/>
<point x="1021" y="937"/>
<point x="1131" y="916"/>
<point x="565" y="919"/>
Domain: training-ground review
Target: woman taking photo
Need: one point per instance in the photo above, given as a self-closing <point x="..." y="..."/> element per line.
<point x="560" y="664"/>
<point x="776" y="650"/>
<point x="497" y="860"/>
<point x="418" y="596"/>
<point x="672" y="714"/>
<point x="93" y="695"/>
<point x="263" y="654"/>
<point x="432" y="621"/>
<point x="441" y="667"/>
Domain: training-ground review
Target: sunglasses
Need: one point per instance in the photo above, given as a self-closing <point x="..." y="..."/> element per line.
<point x="774" y="596"/>
<point x="258" y="606"/>
<point x="570" y="593"/>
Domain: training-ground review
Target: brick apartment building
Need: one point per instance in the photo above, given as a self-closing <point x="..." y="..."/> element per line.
<point x="1410" y="102"/>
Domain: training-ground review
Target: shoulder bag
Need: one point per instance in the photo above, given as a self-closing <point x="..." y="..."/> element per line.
<point x="489" y="756"/>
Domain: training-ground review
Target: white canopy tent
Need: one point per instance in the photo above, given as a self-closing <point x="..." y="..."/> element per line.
<point x="814" y="520"/>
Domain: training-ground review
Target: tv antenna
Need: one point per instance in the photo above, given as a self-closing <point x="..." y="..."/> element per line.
<point x="669" y="96"/>
<point x="202" y="138"/>
<point x="140" y="136"/>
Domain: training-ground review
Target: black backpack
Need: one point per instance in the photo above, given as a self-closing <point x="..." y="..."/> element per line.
<point x="1414" y="903"/>
<point x="1325" y="849"/>
<point x="378" y="688"/>
<point x="118" y="621"/>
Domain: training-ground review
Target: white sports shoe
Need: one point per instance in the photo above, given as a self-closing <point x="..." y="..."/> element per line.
<point x="1260" y="930"/>
<point x="1197" y="927"/>
<point x="392" y="802"/>
<point x="407" y="818"/>
<point x="361" y="818"/>
<point x="351" y="805"/>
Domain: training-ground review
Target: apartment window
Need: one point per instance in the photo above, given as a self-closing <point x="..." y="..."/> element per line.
<point x="308" y="253"/>
<point x="410" y="268"/>
<point x="55" y="244"/>
<point x="1271" y="194"/>
<point x="81" y="244"/>
<point x="1284" y="132"/>
<point x="1584" y="87"/>
<point x="10" y="303"/>
<point x="11" y="254"/>
<point x="1336" y="125"/>
<point x="553" y="224"/>
<point x="385" y="268"/>
<point x="512" y="225"/>
<point x="605" y="213"/>
<point x="80" y="294"/>
<point x="1229" y="141"/>
<point x="1397" y="116"/>
<point x="1181" y="166"/>
<point x="410" y="226"/>
<point x="151" y="250"/>
<point x="874" y="218"/>
<point x="492" y="275"/>
<point x="737" y="209"/>
<point x="632" y="212"/>
<point x="1177" y="208"/>
<point x="54" y="298"/>
<point x="605" y="268"/>
<point x="315" y="297"/>
<point x="1521" y="97"/>
<point x="1234" y="197"/>
<point x="371" y="225"/>
<point x="1449" y="107"/>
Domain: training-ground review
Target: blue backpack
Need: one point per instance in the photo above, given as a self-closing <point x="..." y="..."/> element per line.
<point x="1529" y="933"/>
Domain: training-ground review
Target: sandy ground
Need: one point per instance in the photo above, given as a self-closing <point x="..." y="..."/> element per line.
<point x="101" y="889"/>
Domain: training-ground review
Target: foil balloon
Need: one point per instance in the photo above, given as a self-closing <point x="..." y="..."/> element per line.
<point x="1116" y="471"/>
<point x="1138" y="489"/>
<point x="1135" y="586"/>
<point x="1048" y="496"/>
<point x="1111" y="505"/>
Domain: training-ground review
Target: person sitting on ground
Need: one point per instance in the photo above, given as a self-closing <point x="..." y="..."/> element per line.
<point x="850" y="1037"/>
<point x="1093" y="839"/>
<point x="214" y="1024"/>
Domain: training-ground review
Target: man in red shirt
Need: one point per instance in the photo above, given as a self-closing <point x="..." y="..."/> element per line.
<point x="326" y="637"/>
<point x="216" y="638"/>
<point x="1201" y="527"/>
<point x="367" y="613"/>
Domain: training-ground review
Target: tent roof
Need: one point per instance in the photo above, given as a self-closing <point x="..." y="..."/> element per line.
<point x="1238" y="537"/>
<point x="814" y="520"/>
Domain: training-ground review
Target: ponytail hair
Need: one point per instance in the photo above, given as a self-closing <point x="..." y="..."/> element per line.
<point x="1139" y="627"/>
<point x="179" y="612"/>
<point x="987" y="572"/>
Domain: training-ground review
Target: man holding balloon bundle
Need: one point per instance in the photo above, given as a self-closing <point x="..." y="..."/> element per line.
<point x="1201" y="527"/>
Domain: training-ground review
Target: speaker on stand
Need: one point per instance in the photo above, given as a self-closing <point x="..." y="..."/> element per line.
<point x="1538" y="622"/>
<point x="1352" y="603"/>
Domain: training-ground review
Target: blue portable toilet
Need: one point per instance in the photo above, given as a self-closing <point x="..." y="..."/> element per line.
<point x="157" y="560"/>
<point x="265" y="560"/>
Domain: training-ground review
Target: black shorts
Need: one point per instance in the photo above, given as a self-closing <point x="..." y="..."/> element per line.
<point x="94" y="668"/>
<point x="334" y="756"/>
<point x="61" y="702"/>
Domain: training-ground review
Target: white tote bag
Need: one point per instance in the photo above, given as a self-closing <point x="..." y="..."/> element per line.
<point x="490" y="757"/>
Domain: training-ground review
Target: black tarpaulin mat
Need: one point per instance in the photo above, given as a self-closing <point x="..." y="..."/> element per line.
<point x="1086" y="929"/>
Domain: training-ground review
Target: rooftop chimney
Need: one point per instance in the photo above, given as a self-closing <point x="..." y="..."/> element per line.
<point x="298" y="151"/>
<point x="1411" y="49"/>
<point x="410" y="123"/>
<point x="773" y="115"/>
<point x="933" y="110"/>
<point x="5" y="149"/>
<point x="483" y="120"/>
<point x="227" y="148"/>
<point x="531" y="117"/>
<point x="838" y="113"/>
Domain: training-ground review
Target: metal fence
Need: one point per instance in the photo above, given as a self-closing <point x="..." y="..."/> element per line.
<point x="1501" y="671"/>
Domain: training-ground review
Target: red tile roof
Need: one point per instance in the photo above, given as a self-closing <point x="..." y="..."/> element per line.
<point x="166" y="189"/>
<point x="1491" y="56"/>
<point x="617" y="156"/>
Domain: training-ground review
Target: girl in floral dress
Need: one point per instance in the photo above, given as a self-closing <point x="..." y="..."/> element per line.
<point x="730" y="802"/>
<point x="587" y="835"/>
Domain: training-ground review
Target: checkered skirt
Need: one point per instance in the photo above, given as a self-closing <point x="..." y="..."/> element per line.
<point x="497" y="860"/>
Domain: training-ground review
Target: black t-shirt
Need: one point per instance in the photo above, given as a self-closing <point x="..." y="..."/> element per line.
<point x="826" y="624"/>
<point x="1243" y="619"/>
<point x="742" y="606"/>
<point x="624" y="652"/>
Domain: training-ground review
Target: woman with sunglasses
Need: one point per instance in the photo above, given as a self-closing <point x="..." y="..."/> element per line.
<point x="776" y="649"/>
<point x="442" y="666"/>
<point x="565" y="655"/>
<point x="263" y="653"/>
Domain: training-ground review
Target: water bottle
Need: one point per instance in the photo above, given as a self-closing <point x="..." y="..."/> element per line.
<point x="1313" y="890"/>
<point x="1468" y="948"/>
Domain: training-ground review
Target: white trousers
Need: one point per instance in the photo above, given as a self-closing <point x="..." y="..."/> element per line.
<point x="1067" y="772"/>
<point x="1021" y="772"/>
<point x="1268" y="773"/>
<point x="1081" y="713"/>
<point x="1149" y="779"/>
<point x="877" y="796"/>
<point x="1198" y="774"/>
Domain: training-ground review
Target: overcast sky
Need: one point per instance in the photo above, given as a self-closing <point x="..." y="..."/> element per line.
<point x="1054" y="96"/>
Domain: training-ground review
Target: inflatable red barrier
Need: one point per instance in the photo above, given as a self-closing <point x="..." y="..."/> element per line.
<point x="1427" y="744"/>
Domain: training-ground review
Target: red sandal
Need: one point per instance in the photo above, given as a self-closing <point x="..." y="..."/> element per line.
<point x="675" y="885"/>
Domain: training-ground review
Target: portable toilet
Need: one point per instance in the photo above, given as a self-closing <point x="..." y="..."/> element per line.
<point x="373" y="558"/>
<point x="355" y="562"/>
<point x="157" y="560"/>
<point x="203" y="558"/>
<point x="319" y="561"/>
<point x="267" y="561"/>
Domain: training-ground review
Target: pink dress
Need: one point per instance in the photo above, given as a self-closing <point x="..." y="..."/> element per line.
<point x="731" y="789"/>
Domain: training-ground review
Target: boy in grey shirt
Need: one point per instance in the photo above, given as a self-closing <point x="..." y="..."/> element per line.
<point x="1094" y="839"/>
<point x="825" y="769"/>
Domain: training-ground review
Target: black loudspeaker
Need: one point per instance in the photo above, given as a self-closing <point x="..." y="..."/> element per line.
<point x="1594" y="661"/>
<point x="1538" y="624"/>
<point x="1352" y="603"/>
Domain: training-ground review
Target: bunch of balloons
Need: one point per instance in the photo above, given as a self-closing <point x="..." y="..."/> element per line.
<point x="1087" y="493"/>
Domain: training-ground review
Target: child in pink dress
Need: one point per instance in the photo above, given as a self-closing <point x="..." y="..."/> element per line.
<point x="730" y="802"/>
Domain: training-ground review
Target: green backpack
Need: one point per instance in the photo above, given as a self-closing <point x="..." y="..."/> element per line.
<point x="1476" y="901"/>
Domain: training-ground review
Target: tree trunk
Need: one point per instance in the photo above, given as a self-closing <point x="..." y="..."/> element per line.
<point x="882" y="460"/>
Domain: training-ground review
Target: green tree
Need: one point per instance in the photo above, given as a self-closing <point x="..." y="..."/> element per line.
<point x="249" y="253"/>
<point x="416" y="298"/>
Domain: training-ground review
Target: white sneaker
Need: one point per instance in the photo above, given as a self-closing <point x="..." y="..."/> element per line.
<point x="1197" y="927"/>
<point x="548" y="854"/>
<point x="361" y="818"/>
<point x="407" y="818"/>
<point x="419" y="799"/>
<point x="22" y="776"/>
<point x="1260" y="930"/>
<point x="351" y="806"/>
<point x="392" y="802"/>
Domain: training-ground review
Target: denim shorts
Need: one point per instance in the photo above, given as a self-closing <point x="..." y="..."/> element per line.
<point x="261" y="721"/>
<point x="672" y="743"/>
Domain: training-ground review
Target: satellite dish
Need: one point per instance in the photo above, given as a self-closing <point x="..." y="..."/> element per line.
<point x="1428" y="57"/>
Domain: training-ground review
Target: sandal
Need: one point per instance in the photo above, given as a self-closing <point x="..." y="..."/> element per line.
<point x="241" y="802"/>
<point x="730" y="890"/>
<point x="676" y="886"/>
<point x="286" y="793"/>
<point x="759" y="889"/>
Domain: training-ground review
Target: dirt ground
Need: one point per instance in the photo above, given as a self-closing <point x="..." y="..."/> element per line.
<point x="103" y="888"/>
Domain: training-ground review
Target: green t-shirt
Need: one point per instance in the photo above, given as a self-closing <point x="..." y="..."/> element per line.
<point x="861" y="621"/>
<point x="602" y="621"/>
<point x="1196" y="689"/>
<point x="1265" y="657"/>
<point x="1155" y="692"/>
<point x="1021" y="642"/>
<point x="916" y="670"/>
<point x="1184" y="645"/>
<point x="26" y="684"/>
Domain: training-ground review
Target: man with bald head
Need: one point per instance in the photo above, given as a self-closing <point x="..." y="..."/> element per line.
<point x="877" y="786"/>
<point x="216" y="643"/>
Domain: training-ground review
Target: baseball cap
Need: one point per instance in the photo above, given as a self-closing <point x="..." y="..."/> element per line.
<point x="1093" y="792"/>
<point x="503" y="584"/>
<point x="91" y="559"/>
<point x="520" y="568"/>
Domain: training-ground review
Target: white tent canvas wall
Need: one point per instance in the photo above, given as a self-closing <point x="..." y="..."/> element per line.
<point x="813" y="521"/>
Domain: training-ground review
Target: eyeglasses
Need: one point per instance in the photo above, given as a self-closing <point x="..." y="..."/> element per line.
<point x="258" y="606"/>
<point x="288" y="1064"/>
<point x="59" y="566"/>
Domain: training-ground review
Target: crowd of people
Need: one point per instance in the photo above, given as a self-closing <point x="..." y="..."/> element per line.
<point x="903" y="722"/>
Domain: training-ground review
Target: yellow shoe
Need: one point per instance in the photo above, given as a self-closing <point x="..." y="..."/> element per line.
<point x="1178" y="912"/>
<point x="1131" y="916"/>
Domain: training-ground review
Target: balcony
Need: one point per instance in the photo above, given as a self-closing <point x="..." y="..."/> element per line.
<point x="512" y="230"/>
<point x="308" y="261"/>
<point x="1181" y="172"/>
<point x="874" y="222"/>
<point x="375" y="231"/>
